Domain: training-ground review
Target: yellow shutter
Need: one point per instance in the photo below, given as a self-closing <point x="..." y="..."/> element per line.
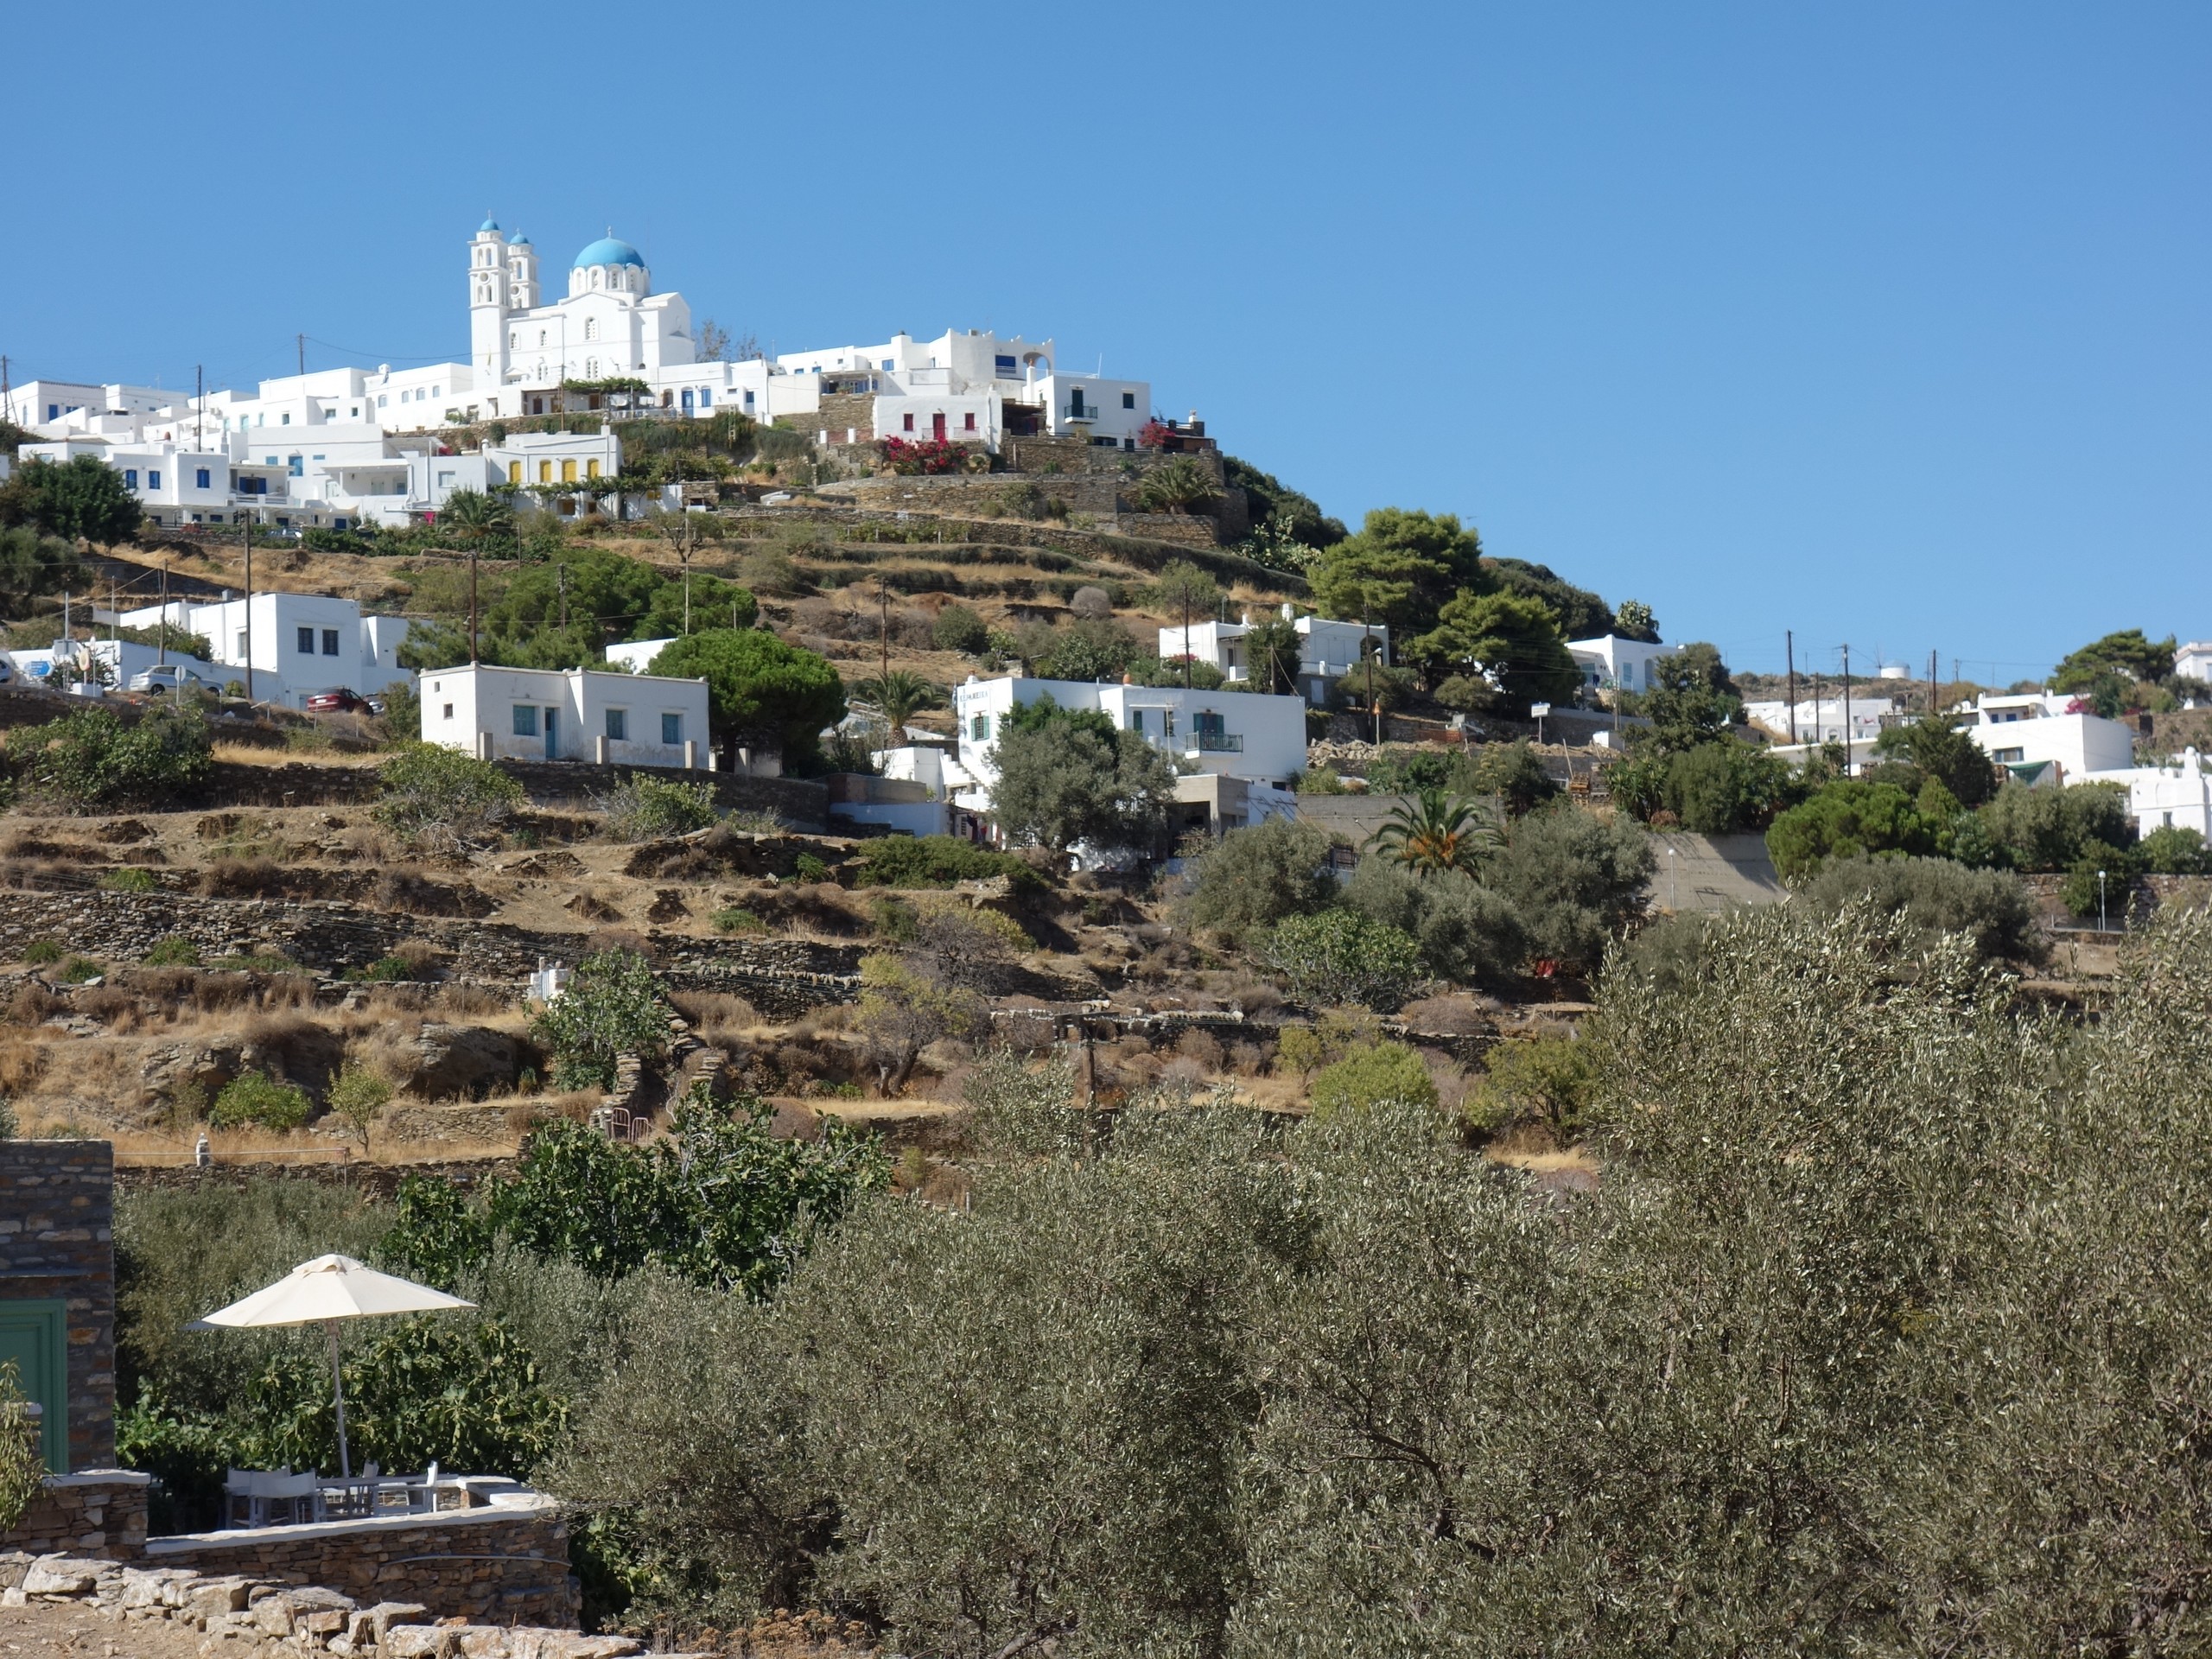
<point x="545" y="472"/>
<point x="514" y="472"/>
<point x="591" y="469"/>
<point x="568" y="471"/>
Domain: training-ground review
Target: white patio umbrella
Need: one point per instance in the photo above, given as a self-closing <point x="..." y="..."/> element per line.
<point x="323" y="1292"/>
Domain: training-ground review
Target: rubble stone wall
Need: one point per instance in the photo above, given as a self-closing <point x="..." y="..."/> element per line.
<point x="57" y="1243"/>
<point x="99" y="1512"/>
<point x="494" y="1564"/>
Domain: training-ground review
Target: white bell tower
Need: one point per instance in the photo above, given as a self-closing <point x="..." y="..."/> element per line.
<point x="487" y="303"/>
<point x="522" y="275"/>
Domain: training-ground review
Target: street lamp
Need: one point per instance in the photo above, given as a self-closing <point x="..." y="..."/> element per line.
<point x="2101" y="901"/>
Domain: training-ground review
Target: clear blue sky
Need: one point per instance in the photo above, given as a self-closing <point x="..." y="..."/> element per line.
<point x="1883" y="322"/>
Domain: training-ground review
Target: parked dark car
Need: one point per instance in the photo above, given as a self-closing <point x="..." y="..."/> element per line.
<point x="340" y="701"/>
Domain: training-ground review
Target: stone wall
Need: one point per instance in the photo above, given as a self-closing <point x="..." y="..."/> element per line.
<point x="99" y="1512"/>
<point x="501" y="1564"/>
<point x="57" y="1242"/>
<point x="842" y="412"/>
<point x="331" y="938"/>
<point x="379" y="1180"/>
<point x="1189" y="529"/>
<point x="546" y="783"/>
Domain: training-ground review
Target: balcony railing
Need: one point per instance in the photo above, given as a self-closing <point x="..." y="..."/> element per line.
<point x="1217" y="742"/>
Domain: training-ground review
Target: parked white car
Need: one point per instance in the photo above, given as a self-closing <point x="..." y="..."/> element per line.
<point x="167" y="677"/>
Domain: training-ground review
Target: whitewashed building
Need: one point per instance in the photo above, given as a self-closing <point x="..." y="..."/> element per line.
<point x="296" y="644"/>
<point x="574" y="714"/>
<point x="1612" y="663"/>
<point x="1327" y="650"/>
<point x="2194" y="660"/>
<point x="2175" y="795"/>
<point x="529" y="355"/>
<point x="2038" y="728"/>
<point x="1824" y="720"/>
<point x="1258" y="741"/>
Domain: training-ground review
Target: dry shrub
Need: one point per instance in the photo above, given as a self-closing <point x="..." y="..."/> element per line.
<point x="1254" y="996"/>
<point x="1250" y="1059"/>
<point x="1202" y="1046"/>
<point x="388" y="1050"/>
<point x="463" y="1000"/>
<point x="1027" y="1033"/>
<point x="22" y="1063"/>
<point x="719" y="1017"/>
<point x="34" y="875"/>
<point x="1455" y="1016"/>
<point x="1183" y="1070"/>
<point x="118" y="1009"/>
<point x="286" y="991"/>
<point x="620" y="938"/>
<point x="35" y="1002"/>
<point x="243" y="877"/>
<point x="414" y="894"/>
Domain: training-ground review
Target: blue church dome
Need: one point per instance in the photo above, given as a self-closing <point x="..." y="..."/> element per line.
<point x="609" y="251"/>
<point x="488" y="225"/>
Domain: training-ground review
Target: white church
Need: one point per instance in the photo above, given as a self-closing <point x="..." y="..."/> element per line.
<point x="337" y="447"/>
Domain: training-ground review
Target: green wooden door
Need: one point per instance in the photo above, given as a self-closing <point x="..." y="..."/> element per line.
<point x="34" y="1336"/>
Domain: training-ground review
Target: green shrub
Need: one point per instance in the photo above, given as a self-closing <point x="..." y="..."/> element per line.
<point x="356" y="1097"/>
<point x="22" y="1469"/>
<point x="646" y="809"/>
<point x="1513" y="773"/>
<point x="735" y="919"/>
<point x="1467" y="932"/>
<point x="1849" y="818"/>
<point x="39" y="953"/>
<point x="934" y="861"/>
<point x="439" y="794"/>
<point x="612" y="1007"/>
<point x="958" y="628"/>
<point x="1256" y="877"/>
<point x="1574" y="881"/>
<point x="2049" y="828"/>
<point x="1547" y="1080"/>
<point x="77" y="969"/>
<point x="1937" y="895"/>
<point x="1371" y="1075"/>
<point x="387" y="970"/>
<point x="1339" y="955"/>
<point x="2172" y="850"/>
<point x="2084" y="894"/>
<point x="809" y="867"/>
<point x="255" y="1097"/>
<point x="130" y="878"/>
<point x="173" y="951"/>
<point x="90" y="758"/>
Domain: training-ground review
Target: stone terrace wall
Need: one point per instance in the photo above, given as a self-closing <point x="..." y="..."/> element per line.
<point x="57" y="1242"/>
<point x="330" y="937"/>
<point x="100" y="1512"/>
<point x="799" y="801"/>
<point x="498" y="1565"/>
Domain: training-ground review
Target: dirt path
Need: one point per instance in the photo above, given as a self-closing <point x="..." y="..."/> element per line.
<point x="65" y="1628"/>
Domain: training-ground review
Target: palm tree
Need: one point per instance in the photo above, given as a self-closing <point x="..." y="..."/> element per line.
<point x="898" y="696"/>
<point x="474" y="516"/>
<point x="1440" y="832"/>
<point x="1178" y="486"/>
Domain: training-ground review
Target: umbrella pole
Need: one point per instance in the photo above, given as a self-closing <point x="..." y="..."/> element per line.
<point x="337" y="1394"/>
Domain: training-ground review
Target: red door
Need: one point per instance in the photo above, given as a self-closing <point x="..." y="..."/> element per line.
<point x="937" y="427"/>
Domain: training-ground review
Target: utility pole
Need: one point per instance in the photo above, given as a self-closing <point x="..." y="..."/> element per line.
<point x="472" y="603"/>
<point x="1847" y="711"/>
<point x="248" y="523"/>
<point x="199" y="404"/>
<point x="1187" y="636"/>
<point x="1367" y="650"/>
<point x="1932" y="710"/>
<point x="7" y="397"/>
<point x="1789" y="656"/>
<point x="561" y="585"/>
<point x="302" y="340"/>
<point x="883" y="622"/>
<point x="161" y="650"/>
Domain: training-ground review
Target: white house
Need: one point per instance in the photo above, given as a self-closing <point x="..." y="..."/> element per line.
<point x="574" y="714"/>
<point x="1614" y="662"/>
<point x="1823" y="719"/>
<point x="297" y="644"/>
<point x="2174" y="795"/>
<point x="1257" y="739"/>
<point x="2194" y="660"/>
<point x="2036" y="728"/>
<point x="1327" y="650"/>
<point x="635" y="656"/>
